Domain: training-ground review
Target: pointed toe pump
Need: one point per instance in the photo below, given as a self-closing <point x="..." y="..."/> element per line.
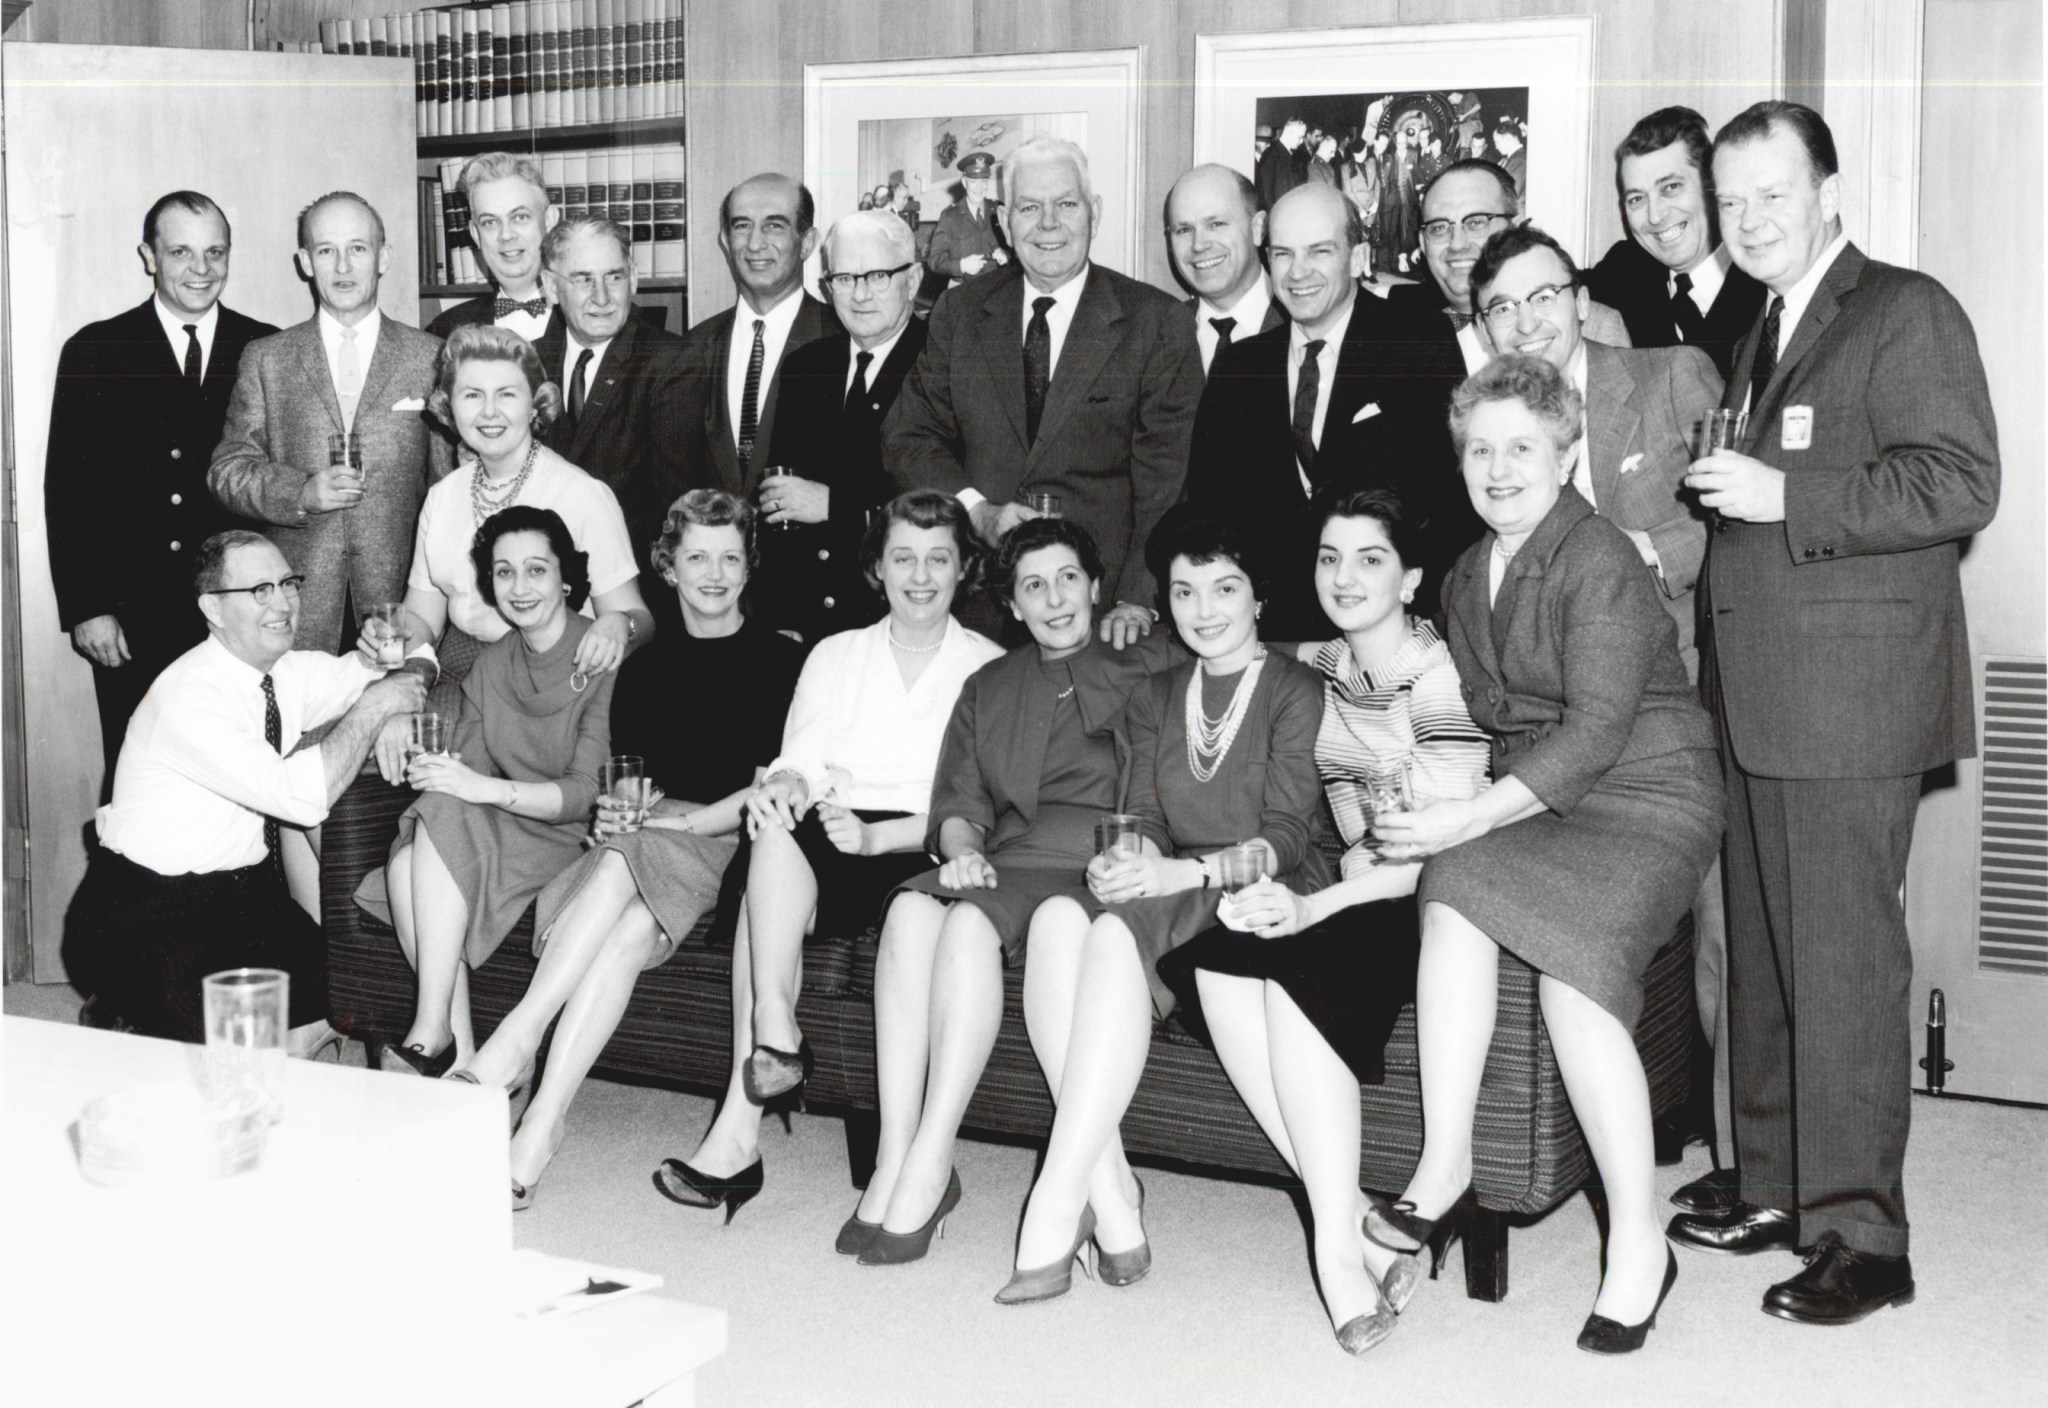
<point x="895" y="1248"/>
<point x="1055" y="1278"/>
<point x="680" y="1183"/>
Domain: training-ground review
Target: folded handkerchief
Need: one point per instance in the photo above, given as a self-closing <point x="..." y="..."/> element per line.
<point x="1631" y="464"/>
<point x="410" y="403"/>
<point x="1366" y="412"/>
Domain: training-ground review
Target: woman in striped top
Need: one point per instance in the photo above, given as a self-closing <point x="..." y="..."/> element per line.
<point x="1299" y="992"/>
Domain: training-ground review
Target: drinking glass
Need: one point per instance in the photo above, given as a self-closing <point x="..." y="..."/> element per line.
<point x="1721" y="430"/>
<point x="391" y="647"/>
<point x="773" y="472"/>
<point x="429" y="734"/>
<point x="1239" y="866"/>
<point x="1045" y="504"/>
<point x="246" y="1019"/>
<point x="345" y="448"/>
<point x="1389" y="787"/>
<point x="624" y="780"/>
<point x="1118" y="836"/>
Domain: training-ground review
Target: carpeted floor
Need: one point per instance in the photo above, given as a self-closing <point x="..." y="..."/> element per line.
<point x="1230" y="1315"/>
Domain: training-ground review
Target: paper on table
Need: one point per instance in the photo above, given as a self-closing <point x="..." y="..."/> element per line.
<point x="543" y="1287"/>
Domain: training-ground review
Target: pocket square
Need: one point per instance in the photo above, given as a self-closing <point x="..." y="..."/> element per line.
<point x="410" y="403"/>
<point x="1366" y="412"/>
<point x="1631" y="464"/>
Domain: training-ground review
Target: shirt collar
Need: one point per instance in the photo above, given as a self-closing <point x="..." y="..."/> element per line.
<point x="1575" y="369"/>
<point x="220" y="660"/>
<point x="174" y="323"/>
<point x="366" y="330"/>
<point x="880" y="351"/>
<point x="779" y="318"/>
<point x="1707" y="277"/>
<point x="1065" y="298"/>
<point x="1249" y="310"/>
<point x="577" y="344"/>
<point x="1297" y="339"/>
<point x="1800" y="294"/>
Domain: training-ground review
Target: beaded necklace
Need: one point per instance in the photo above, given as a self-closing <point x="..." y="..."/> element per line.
<point x="485" y="502"/>
<point x="1209" y="739"/>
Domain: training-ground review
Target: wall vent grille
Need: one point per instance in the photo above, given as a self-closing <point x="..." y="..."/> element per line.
<point x="2012" y="871"/>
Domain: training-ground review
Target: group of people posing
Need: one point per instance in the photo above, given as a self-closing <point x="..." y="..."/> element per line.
<point x="1354" y="639"/>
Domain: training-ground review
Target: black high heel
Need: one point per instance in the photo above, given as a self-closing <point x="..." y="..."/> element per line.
<point x="855" y="1236"/>
<point x="412" y="1059"/>
<point x="888" y="1248"/>
<point x="1434" y="1234"/>
<point x="775" y="1079"/>
<point x="1604" y="1336"/>
<point x="703" y="1190"/>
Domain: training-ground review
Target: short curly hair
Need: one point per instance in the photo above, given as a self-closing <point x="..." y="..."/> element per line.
<point x="487" y="342"/>
<point x="1540" y="387"/>
<point x="922" y="508"/>
<point x="1028" y="537"/>
<point x="525" y="518"/>
<point x="707" y="508"/>
<point x="1202" y="540"/>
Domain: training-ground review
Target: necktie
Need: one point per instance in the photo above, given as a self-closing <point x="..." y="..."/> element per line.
<point x="1037" y="366"/>
<point x="348" y="377"/>
<point x="1686" y="313"/>
<point x="1223" y="327"/>
<point x="191" y="351"/>
<point x="1766" y="360"/>
<point x="750" y="398"/>
<point x="1460" y="321"/>
<point x="273" y="734"/>
<point x="501" y="306"/>
<point x="859" y="390"/>
<point x="1305" y="390"/>
<point x="576" y="380"/>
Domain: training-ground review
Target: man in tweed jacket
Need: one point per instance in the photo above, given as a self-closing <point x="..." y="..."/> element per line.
<point x="347" y="368"/>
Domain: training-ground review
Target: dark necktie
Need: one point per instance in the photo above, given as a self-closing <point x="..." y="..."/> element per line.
<point x="191" y="351"/>
<point x="1692" y="325"/>
<point x="750" y="397"/>
<point x="1766" y="360"/>
<point x="1223" y="327"/>
<point x="273" y="734"/>
<point x="576" y="380"/>
<point x="1037" y="367"/>
<point x="1305" y="389"/>
<point x="1460" y="321"/>
<point x="857" y="392"/>
<point x="502" y="306"/>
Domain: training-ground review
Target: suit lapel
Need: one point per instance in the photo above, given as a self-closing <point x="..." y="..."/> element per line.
<point x="1466" y="605"/>
<point x="718" y="428"/>
<point x="807" y="327"/>
<point x="313" y="367"/>
<point x="1351" y="387"/>
<point x="1091" y="341"/>
<point x="1611" y="422"/>
<point x="605" y="386"/>
<point x="1000" y="330"/>
<point x="383" y="366"/>
<point x="1836" y="284"/>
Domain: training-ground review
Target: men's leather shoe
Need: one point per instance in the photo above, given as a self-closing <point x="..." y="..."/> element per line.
<point x="1840" y="1285"/>
<point x="1720" y="1189"/>
<point x="1737" y="1231"/>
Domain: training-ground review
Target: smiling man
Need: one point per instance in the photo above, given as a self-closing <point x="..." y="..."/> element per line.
<point x="1213" y="229"/>
<point x="137" y="412"/>
<point x="509" y="215"/>
<point x="348" y="526"/>
<point x="1055" y="375"/>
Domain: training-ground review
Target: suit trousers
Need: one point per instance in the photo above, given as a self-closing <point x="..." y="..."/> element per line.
<point x="1820" y="988"/>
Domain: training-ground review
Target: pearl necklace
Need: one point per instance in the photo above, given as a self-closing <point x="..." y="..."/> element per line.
<point x="890" y="630"/>
<point x="1212" y="740"/>
<point x="485" y="502"/>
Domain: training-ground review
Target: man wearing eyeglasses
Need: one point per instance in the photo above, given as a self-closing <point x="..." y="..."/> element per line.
<point x="509" y="215"/>
<point x="828" y="432"/>
<point x="210" y="791"/>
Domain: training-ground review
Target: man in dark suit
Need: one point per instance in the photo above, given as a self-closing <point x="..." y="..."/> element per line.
<point x="967" y="241"/>
<point x="1837" y="658"/>
<point x="137" y="411"/>
<point x="628" y="401"/>
<point x="509" y="215"/>
<point x="828" y="432"/>
<point x="1213" y="229"/>
<point x="1284" y="164"/>
<point x="767" y="227"/>
<point x="1673" y="280"/>
<point x="1056" y="375"/>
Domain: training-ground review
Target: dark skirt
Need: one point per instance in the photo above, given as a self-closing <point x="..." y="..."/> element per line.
<point x="678" y="874"/>
<point x="1162" y="923"/>
<point x="1350" y="975"/>
<point x="851" y="889"/>
<point x="1019" y="891"/>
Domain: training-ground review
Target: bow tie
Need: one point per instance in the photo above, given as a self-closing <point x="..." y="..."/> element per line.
<point x="1460" y="321"/>
<point x="501" y="305"/>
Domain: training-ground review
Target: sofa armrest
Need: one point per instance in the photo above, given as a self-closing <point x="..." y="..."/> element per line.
<point x="354" y="840"/>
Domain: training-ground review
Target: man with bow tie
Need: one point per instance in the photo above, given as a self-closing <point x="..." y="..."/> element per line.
<point x="509" y="216"/>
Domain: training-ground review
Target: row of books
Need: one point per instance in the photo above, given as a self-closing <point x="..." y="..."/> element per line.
<point x="640" y="188"/>
<point x="514" y="65"/>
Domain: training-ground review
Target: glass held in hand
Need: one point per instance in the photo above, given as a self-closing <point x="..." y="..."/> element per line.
<point x="1391" y="788"/>
<point x="346" y="448"/>
<point x="1720" y="430"/>
<point x="1240" y="865"/>
<point x="1118" y="837"/>
<point x="247" y="1012"/>
<point x="390" y="639"/>
<point x="1045" y="504"/>
<point x="772" y="498"/>
<point x="624" y="792"/>
<point x="429" y="734"/>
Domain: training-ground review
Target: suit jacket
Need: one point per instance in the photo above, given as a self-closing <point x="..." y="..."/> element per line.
<point x="712" y="456"/>
<point x="1631" y="281"/>
<point x="1837" y="645"/>
<point x="124" y="481"/>
<point x="1113" y="438"/>
<point x="1279" y="171"/>
<point x="959" y="235"/>
<point x="635" y="429"/>
<point x="1643" y="404"/>
<point x="810" y="579"/>
<point x="275" y="439"/>
<point x="481" y="309"/>
<point x="1276" y="317"/>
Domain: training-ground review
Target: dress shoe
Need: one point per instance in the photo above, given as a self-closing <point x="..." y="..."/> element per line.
<point x="1738" y="1230"/>
<point x="1840" y="1285"/>
<point x="1055" y="1278"/>
<point x="413" y="1060"/>
<point x="888" y="1248"/>
<point x="1719" y="1189"/>
<point x="855" y="1235"/>
<point x="1418" y="1234"/>
<point x="1124" y="1268"/>
<point x="1361" y="1332"/>
<point x="680" y="1183"/>
<point x="1603" y="1336"/>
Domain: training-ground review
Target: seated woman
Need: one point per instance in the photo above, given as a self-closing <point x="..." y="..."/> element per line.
<point x="839" y="821"/>
<point x="1222" y="752"/>
<point x="493" y="390"/>
<point x="624" y="907"/>
<point x="1603" y="815"/>
<point x="1299" y="992"/>
<point x="506" y="807"/>
<point x="1030" y="760"/>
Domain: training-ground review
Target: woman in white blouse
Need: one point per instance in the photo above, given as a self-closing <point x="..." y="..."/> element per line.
<point x="494" y="391"/>
<point x="838" y="822"/>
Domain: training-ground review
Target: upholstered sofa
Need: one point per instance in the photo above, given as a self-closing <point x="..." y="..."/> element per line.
<point x="1528" y="1152"/>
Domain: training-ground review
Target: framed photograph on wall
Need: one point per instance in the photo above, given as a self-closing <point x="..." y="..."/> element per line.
<point x="1378" y="111"/>
<point x="897" y="132"/>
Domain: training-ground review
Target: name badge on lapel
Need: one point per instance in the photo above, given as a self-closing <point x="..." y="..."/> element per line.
<point x="1796" y="430"/>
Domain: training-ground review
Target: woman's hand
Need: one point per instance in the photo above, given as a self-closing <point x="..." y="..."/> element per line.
<point x="447" y="773"/>
<point x="603" y="646"/>
<point x="969" y="872"/>
<point x="780" y="800"/>
<point x="389" y="749"/>
<point x="1430" y="829"/>
<point x="1139" y="877"/>
<point x="844" y="830"/>
<point x="1268" y="909"/>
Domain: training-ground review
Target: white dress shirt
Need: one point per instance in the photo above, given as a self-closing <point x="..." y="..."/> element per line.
<point x="880" y="353"/>
<point x="1326" y="360"/>
<point x="1796" y="299"/>
<point x="1058" y="318"/>
<point x="1472" y="347"/>
<point x="1250" y="311"/>
<point x="777" y="322"/>
<point x="571" y="350"/>
<point x="528" y="325"/>
<point x="366" y="345"/>
<point x="856" y="736"/>
<point x="196" y="778"/>
<point x="1707" y="277"/>
<point x="174" y="329"/>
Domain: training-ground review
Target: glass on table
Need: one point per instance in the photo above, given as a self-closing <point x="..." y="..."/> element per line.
<point x="429" y="734"/>
<point x="1119" y="836"/>
<point x="247" y="1013"/>
<point x="623" y="791"/>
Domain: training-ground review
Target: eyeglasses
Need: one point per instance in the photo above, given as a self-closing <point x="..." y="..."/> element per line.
<point x="1501" y="313"/>
<point x="1476" y="226"/>
<point x="874" y="280"/>
<point x="264" y="591"/>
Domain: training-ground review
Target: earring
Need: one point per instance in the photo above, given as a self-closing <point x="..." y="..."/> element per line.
<point x="1258" y="611"/>
<point x="1407" y="597"/>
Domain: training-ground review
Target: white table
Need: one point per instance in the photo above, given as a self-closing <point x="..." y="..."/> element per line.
<point x="365" y="1256"/>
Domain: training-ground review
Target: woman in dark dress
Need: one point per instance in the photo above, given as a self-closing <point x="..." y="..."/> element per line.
<point x="1031" y="759"/>
<point x="1581" y="857"/>
<point x="1222" y="753"/>
<point x="1299" y="992"/>
<point x="703" y="707"/>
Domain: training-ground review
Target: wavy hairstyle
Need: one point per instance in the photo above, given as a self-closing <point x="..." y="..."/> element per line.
<point x="525" y="518"/>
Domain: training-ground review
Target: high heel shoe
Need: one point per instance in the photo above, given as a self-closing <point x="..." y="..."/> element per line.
<point x="775" y="1079"/>
<point x="1604" y="1336"/>
<point x="895" y="1248"/>
<point x="327" y="1040"/>
<point x="1362" y="1332"/>
<point x="1055" y="1278"/>
<point x="703" y="1190"/>
<point x="1433" y="1234"/>
<point x="1123" y="1268"/>
<point x="855" y="1235"/>
<point x="412" y="1059"/>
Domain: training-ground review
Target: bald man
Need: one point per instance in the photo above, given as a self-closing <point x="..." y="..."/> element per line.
<point x="1213" y="228"/>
